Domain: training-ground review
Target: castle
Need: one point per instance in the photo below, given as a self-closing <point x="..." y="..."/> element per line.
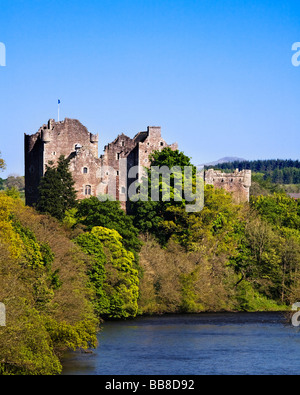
<point x="94" y="175"/>
<point x="237" y="183"/>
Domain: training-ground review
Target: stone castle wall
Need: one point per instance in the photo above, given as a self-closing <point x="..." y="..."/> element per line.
<point x="49" y="143"/>
<point x="94" y="175"/>
<point x="237" y="183"/>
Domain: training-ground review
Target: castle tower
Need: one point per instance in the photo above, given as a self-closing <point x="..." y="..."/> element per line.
<point x="71" y="139"/>
<point x="92" y="175"/>
<point x="237" y="183"/>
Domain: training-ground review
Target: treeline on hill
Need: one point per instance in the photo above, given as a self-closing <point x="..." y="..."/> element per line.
<point x="275" y="171"/>
<point x="74" y="263"/>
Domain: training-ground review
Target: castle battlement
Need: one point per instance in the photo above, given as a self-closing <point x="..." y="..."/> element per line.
<point x="72" y="139"/>
<point x="237" y="183"/>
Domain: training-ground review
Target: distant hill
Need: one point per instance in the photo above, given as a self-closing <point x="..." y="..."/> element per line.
<point x="227" y="159"/>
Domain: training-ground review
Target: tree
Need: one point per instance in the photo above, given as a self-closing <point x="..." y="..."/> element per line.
<point x="56" y="190"/>
<point x="170" y="158"/>
<point x="157" y="217"/>
<point x="278" y="209"/>
<point x="44" y="286"/>
<point x="16" y="182"/>
<point x="112" y="273"/>
<point x="2" y="163"/>
<point x="93" y="212"/>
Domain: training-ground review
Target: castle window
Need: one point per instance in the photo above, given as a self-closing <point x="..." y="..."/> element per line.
<point x="54" y="153"/>
<point x="118" y="156"/>
<point x="88" y="190"/>
<point x="123" y="190"/>
<point x="123" y="144"/>
<point x="161" y="144"/>
<point x="85" y="170"/>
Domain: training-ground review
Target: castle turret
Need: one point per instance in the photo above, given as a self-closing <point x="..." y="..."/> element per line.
<point x="247" y="178"/>
<point x="237" y="183"/>
<point x="46" y="138"/>
<point x="94" y="138"/>
<point x="154" y="132"/>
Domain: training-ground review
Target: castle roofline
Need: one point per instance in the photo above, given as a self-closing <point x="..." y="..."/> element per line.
<point x="140" y="137"/>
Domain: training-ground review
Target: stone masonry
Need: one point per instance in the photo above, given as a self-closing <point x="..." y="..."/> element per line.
<point x="94" y="175"/>
<point x="237" y="183"/>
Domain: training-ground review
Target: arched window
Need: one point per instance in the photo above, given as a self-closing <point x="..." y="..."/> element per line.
<point x="88" y="190"/>
<point x="85" y="170"/>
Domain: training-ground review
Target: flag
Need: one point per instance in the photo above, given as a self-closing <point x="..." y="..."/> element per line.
<point x="58" y="101"/>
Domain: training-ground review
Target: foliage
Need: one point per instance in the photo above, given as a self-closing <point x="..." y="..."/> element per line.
<point x="56" y="190"/>
<point x="92" y="213"/>
<point x="272" y="171"/>
<point x="262" y="186"/>
<point x="112" y="273"/>
<point x="43" y="285"/>
<point x="176" y="281"/>
<point x="161" y="259"/>
<point x="278" y="209"/>
<point x="2" y="163"/>
<point x="16" y="182"/>
<point x="170" y="158"/>
<point x="246" y="254"/>
<point x="157" y="217"/>
<point x="261" y="165"/>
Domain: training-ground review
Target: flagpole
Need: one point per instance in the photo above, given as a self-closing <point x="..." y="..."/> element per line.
<point x="58" y="111"/>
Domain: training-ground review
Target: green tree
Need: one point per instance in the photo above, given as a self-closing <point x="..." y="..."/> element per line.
<point x="278" y="209"/>
<point x="170" y="158"/>
<point x="56" y="190"/>
<point x="16" y="182"/>
<point x="157" y="217"/>
<point x="112" y="273"/>
<point x="93" y="212"/>
<point x="49" y="309"/>
<point x="2" y="163"/>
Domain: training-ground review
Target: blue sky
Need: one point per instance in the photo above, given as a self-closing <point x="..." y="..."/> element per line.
<point x="215" y="74"/>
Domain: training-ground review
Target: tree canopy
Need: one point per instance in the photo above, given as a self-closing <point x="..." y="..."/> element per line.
<point x="44" y="288"/>
<point x="112" y="273"/>
<point x="93" y="212"/>
<point x="56" y="190"/>
<point x="2" y="163"/>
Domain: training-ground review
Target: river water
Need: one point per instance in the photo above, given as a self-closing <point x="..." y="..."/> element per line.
<point x="203" y="344"/>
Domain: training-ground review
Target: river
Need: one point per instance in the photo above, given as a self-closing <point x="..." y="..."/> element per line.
<point x="203" y="344"/>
